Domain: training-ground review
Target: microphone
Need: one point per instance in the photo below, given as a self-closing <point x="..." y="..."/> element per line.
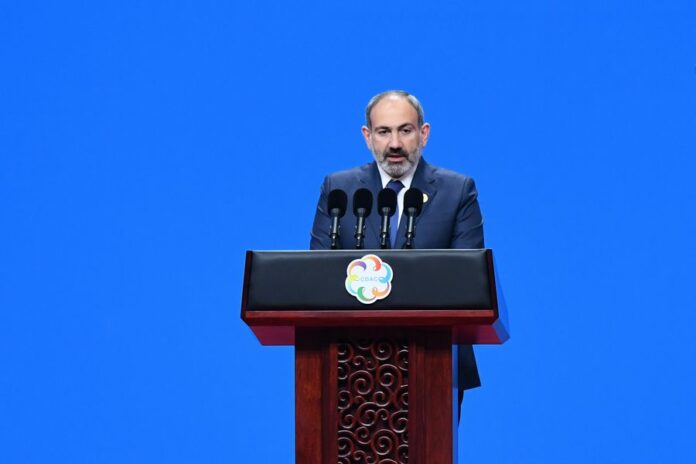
<point x="386" y="207"/>
<point x="413" y="204"/>
<point x="338" y="201"/>
<point x="362" y="207"/>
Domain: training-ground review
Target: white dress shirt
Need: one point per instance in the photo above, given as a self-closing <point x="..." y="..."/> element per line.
<point x="406" y="179"/>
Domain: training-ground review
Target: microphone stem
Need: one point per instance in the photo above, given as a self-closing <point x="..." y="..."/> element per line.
<point x="360" y="230"/>
<point x="334" y="234"/>
<point x="410" y="230"/>
<point x="384" y="234"/>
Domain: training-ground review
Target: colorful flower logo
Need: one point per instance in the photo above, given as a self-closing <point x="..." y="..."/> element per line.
<point x="369" y="279"/>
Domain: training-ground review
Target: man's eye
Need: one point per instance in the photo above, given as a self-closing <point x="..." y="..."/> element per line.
<point x="406" y="130"/>
<point x="382" y="132"/>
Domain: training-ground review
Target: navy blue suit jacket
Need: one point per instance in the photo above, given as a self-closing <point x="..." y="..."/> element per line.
<point x="451" y="218"/>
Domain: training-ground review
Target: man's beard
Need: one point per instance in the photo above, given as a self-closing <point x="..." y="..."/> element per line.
<point x="397" y="170"/>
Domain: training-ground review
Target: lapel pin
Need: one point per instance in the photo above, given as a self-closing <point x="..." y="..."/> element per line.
<point x="425" y="197"/>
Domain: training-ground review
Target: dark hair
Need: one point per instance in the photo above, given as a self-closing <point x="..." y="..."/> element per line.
<point x="410" y="98"/>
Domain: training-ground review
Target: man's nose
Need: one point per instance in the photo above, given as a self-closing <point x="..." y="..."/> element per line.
<point x="395" y="141"/>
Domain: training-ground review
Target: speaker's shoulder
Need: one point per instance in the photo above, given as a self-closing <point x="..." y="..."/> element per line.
<point x="352" y="175"/>
<point x="449" y="177"/>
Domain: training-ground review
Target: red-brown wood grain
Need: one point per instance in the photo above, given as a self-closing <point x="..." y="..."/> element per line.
<point x="431" y="419"/>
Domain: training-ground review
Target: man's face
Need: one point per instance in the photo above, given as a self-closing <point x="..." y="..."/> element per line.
<point x="395" y="139"/>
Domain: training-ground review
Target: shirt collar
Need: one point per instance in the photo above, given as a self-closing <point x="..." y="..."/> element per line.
<point x="406" y="179"/>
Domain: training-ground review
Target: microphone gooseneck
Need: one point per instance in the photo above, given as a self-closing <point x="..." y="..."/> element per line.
<point x="386" y="207"/>
<point x="338" y="201"/>
<point x="413" y="204"/>
<point x="362" y="207"/>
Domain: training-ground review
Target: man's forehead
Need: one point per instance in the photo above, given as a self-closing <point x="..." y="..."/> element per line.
<point x="393" y="110"/>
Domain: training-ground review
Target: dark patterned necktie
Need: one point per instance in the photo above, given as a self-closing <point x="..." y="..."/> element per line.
<point x="396" y="186"/>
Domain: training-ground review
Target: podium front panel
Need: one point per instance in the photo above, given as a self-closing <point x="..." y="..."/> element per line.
<point x="455" y="289"/>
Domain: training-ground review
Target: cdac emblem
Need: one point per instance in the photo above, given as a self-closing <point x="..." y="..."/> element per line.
<point x="369" y="279"/>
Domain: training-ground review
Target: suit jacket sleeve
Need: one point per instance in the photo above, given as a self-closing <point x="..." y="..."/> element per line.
<point x="468" y="227"/>
<point x="322" y="221"/>
<point x="468" y="233"/>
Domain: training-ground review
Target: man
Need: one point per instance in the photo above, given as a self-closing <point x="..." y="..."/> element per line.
<point x="396" y="134"/>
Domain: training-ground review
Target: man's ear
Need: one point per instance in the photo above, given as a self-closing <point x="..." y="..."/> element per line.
<point x="424" y="133"/>
<point x="366" y="133"/>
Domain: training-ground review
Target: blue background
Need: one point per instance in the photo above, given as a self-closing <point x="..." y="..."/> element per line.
<point x="145" y="146"/>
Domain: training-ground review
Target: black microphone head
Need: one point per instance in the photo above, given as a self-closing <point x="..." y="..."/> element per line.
<point x="386" y="199"/>
<point x="413" y="199"/>
<point x="338" y="200"/>
<point x="362" y="199"/>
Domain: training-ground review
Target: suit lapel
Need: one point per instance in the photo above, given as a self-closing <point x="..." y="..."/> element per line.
<point x="424" y="180"/>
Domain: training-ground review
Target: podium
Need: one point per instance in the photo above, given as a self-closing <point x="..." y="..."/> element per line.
<point x="374" y="334"/>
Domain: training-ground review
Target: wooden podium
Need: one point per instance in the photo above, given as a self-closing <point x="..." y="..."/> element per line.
<point x="374" y="334"/>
